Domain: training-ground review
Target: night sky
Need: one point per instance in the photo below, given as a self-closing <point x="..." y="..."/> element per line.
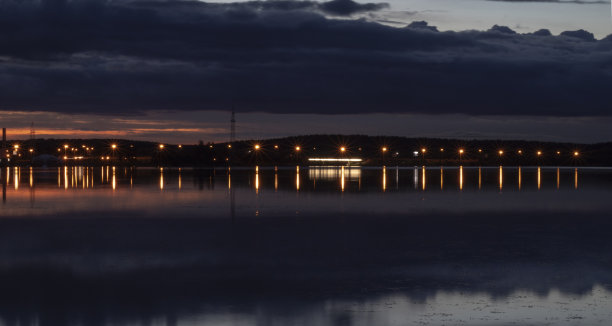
<point x="172" y="70"/>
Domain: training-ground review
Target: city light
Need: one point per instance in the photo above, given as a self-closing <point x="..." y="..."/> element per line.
<point x="298" y="148"/>
<point x="539" y="153"/>
<point x="275" y="146"/>
<point x="384" y="149"/>
<point x="16" y="146"/>
<point x="576" y="153"/>
<point x="316" y="159"/>
<point x="423" y="150"/>
<point x="461" y="151"/>
<point x="343" y="149"/>
<point x="114" y="146"/>
<point x="500" y="152"/>
<point x="257" y="146"/>
<point x="520" y="152"/>
<point x="161" y="146"/>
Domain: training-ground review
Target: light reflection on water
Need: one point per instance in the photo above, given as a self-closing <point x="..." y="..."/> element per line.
<point x="375" y="246"/>
<point x="462" y="189"/>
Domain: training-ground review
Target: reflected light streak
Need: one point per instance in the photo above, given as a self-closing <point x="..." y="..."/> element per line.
<point x="424" y="177"/>
<point x="16" y="177"/>
<point x="539" y="178"/>
<point x="257" y="180"/>
<point x="519" y="178"/>
<point x="8" y="175"/>
<point x="229" y="181"/>
<point x="114" y="180"/>
<point x="101" y="174"/>
<point x="415" y="173"/>
<point x="501" y="178"/>
<point x="441" y="178"/>
<point x="65" y="177"/>
<point x="161" y="178"/>
<point x="384" y="178"/>
<point x="342" y="178"/>
<point x="275" y="180"/>
<point x="107" y="170"/>
<point x="461" y="178"/>
<point x="31" y="177"/>
<point x="558" y="178"/>
<point x="180" y="180"/>
<point x="479" y="178"/>
<point x="297" y="178"/>
<point x="575" y="178"/>
<point x="59" y="177"/>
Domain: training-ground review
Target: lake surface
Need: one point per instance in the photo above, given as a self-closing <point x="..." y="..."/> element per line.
<point x="306" y="246"/>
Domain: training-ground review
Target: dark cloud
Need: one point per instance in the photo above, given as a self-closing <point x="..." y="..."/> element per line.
<point x="125" y="57"/>
<point x="422" y="25"/>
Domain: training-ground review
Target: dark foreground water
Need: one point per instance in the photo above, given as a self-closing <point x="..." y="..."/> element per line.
<point x="307" y="246"/>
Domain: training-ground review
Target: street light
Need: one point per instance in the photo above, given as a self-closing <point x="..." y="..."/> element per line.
<point x="423" y="151"/>
<point x="298" y="148"/>
<point x="257" y="147"/>
<point x="384" y="150"/>
<point x="161" y="147"/>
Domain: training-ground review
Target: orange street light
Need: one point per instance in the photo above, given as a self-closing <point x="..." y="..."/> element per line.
<point x="257" y="147"/>
<point x="298" y="148"/>
<point x="576" y="154"/>
<point x="539" y="153"/>
<point x="343" y="149"/>
<point x="161" y="146"/>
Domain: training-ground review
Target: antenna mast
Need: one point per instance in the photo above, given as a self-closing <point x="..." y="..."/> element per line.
<point x="233" y="127"/>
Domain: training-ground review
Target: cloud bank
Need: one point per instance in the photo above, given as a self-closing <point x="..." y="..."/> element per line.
<point x="284" y="56"/>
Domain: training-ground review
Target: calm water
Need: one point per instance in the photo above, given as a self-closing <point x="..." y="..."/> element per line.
<point x="306" y="246"/>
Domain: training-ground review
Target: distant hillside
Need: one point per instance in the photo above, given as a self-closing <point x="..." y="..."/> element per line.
<point x="373" y="150"/>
